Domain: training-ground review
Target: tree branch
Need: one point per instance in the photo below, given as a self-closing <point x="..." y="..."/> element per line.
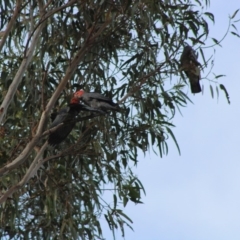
<point x="11" y="23"/>
<point x="20" y="159"/>
<point x="35" y="165"/>
<point x="18" y="77"/>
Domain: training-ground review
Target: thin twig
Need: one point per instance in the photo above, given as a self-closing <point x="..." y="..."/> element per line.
<point x="43" y="84"/>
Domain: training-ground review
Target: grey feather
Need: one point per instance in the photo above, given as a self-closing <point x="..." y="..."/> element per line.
<point x="190" y="66"/>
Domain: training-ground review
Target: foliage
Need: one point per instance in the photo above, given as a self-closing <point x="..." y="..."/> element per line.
<point x="128" y="50"/>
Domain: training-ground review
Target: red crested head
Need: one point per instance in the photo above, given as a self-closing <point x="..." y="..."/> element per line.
<point x="74" y="100"/>
<point x="79" y="93"/>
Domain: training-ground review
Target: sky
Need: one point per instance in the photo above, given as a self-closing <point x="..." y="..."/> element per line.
<point x="196" y="195"/>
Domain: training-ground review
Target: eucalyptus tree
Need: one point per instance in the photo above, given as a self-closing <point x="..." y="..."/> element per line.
<point x="128" y="51"/>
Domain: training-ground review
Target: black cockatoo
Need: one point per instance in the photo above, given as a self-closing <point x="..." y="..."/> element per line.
<point x="190" y="66"/>
<point x="97" y="101"/>
<point x="67" y="116"/>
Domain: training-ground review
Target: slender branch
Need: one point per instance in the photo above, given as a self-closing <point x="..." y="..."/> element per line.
<point x="45" y="74"/>
<point x="21" y="157"/>
<point x="47" y="4"/>
<point x="18" y="77"/>
<point x="224" y="36"/>
<point x="35" y="165"/>
<point x="11" y="23"/>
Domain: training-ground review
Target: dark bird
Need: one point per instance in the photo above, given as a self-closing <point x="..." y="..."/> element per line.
<point x="190" y="66"/>
<point x="97" y="101"/>
<point x="67" y="117"/>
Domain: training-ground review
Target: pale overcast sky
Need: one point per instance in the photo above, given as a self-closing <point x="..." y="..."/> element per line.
<point x="196" y="196"/>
